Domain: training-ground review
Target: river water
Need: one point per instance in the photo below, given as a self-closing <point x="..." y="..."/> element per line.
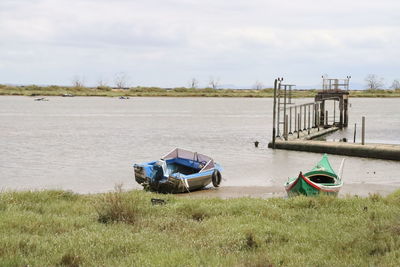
<point x="89" y="144"/>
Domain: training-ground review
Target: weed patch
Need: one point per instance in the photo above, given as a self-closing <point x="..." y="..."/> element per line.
<point x="114" y="207"/>
<point x="70" y="260"/>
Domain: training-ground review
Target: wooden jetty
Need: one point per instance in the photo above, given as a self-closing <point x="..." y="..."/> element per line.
<point x="377" y="151"/>
<point x="295" y="127"/>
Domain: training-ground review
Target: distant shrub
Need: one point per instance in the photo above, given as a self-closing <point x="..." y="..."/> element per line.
<point x="103" y="88"/>
<point x="32" y="87"/>
<point x="146" y="89"/>
<point x="180" y="89"/>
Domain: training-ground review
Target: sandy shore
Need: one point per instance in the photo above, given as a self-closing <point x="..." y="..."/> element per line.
<point x="225" y="192"/>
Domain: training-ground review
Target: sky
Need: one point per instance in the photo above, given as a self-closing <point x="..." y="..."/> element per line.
<point x="167" y="43"/>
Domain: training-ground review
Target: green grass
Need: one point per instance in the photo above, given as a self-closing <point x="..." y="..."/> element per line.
<point x="34" y="90"/>
<point x="58" y="228"/>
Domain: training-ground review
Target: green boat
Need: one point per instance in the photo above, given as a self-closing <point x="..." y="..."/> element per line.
<point x="321" y="179"/>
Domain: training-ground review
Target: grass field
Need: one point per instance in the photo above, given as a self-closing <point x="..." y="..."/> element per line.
<point x="58" y="228"/>
<point x="34" y="90"/>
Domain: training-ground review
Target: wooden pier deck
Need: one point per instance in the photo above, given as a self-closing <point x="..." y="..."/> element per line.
<point x="310" y="134"/>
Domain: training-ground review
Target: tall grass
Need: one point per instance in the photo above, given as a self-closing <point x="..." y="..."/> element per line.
<point x="57" y="228"/>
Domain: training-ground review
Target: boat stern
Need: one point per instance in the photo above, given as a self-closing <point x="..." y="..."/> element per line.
<point x="143" y="172"/>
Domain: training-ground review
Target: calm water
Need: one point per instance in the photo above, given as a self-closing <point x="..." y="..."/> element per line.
<point x="89" y="144"/>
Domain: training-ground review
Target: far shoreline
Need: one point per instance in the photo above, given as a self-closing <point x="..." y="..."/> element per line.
<point x="105" y="91"/>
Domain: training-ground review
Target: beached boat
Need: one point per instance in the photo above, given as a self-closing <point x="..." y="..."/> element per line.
<point x="178" y="171"/>
<point x="321" y="179"/>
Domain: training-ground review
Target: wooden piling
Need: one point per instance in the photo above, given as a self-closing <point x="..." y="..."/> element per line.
<point x="278" y="132"/>
<point x="341" y="125"/>
<point x="345" y="111"/>
<point x="355" y="132"/>
<point x="285" y="127"/>
<point x="326" y="118"/>
<point x="322" y="112"/>
<point x="290" y="120"/>
<point x="284" y="110"/>
<point x="363" y="131"/>
<point x="274" y="115"/>
<point x="313" y="116"/>
<point x="298" y="121"/>
<point x="309" y="114"/>
<point x="295" y="118"/>
<point x="334" y="112"/>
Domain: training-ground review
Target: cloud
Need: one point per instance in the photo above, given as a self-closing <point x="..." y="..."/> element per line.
<point x="165" y="43"/>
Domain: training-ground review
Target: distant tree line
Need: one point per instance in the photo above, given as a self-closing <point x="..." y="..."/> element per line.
<point x="374" y="82"/>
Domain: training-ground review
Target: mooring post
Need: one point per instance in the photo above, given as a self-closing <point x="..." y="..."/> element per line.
<point x="346" y="115"/>
<point x="274" y="115"/>
<point x="326" y="120"/>
<point x="290" y="121"/>
<point x="334" y="111"/>
<point x="355" y="132"/>
<point x="284" y="105"/>
<point x="299" y="120"/>
<point x="278" y="109"/>
<point x="309" y="118"/>
<point x="295" y="118"/>
<point x="305" y="117"/>
<point x="363" y="131"/>
<point x="286" y="127"/>
<point x="341" y="112"/>
<point x="316" y="115"/>
<point x="313" y="116"/>
<point x="299" y="125"/>
<point x="322" y="113"/>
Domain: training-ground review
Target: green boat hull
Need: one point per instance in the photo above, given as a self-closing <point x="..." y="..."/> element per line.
<point x="321" y="179"/>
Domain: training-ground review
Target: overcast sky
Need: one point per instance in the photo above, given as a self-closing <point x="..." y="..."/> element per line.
<point x="168" y="42"/>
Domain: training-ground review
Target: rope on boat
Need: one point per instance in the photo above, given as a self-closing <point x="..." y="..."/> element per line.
<point x="185" y="183"/>
<point x="341" y="169"/>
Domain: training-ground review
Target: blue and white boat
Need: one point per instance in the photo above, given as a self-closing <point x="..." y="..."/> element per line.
<point x="178" y="171"/>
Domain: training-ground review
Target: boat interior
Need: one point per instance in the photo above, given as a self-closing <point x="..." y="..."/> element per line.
<point x="322" y="179"/>
<point x="176" y="167"/>
<point x="162" y="169"/>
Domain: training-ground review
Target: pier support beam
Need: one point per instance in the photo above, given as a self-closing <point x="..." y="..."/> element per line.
<point x="363" y="131"/>
<point x="322" y="113"/>
<point x="342" y="97"/>
<point x="345" y="107"/>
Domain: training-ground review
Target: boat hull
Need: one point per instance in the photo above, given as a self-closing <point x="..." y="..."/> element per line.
<point x="176" y="185"/>
<point x="321" y="179"/>
<point x="304" y="186"/>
